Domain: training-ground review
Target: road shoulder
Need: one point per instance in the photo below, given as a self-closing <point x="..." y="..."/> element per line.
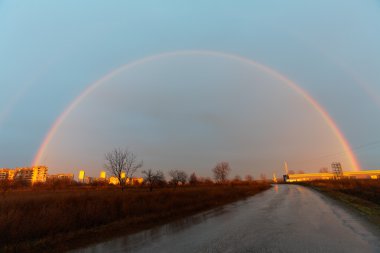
<point x="364" y="208"/>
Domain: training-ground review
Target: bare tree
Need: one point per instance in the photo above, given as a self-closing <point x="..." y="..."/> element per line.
<point x="301" y="172"/>
<point x="221" y="171"/>
<point x="237" y="180"/>
<point x="208" y="181"/>
<point x="153" y="178"/>
<point x="183" y="177"/>
<point x="178" y="176"/>
<point x="193" y="180"/>
<point x="291" y="172"/>
<point x="263" y="177"/>
<point x="122" y="164"/>
<point x="249" y="178"/>
<point x="324" y="170"/>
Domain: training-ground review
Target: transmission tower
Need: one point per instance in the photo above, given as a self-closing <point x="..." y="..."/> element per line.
<point x="337" y="170"/>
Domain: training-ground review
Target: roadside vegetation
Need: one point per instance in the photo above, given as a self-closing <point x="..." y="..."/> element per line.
<point x="362" y="195"/>
<point x="58" y="216"/>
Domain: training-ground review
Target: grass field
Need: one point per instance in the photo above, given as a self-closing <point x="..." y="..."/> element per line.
<point x="43" y="220"/>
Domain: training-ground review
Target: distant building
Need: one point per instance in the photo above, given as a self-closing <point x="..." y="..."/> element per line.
<point x="102" y="175"/>
<point x="4" y="174"/>
<point x="11" y="175"/>
<point x="32" y="175"/>
<point x="113" y="180"/>
<point x="290" y="178"/>
<point x="133" y="181"/>
<point x="68" y="177"/>
<point x="23" y="174"/>
<point x="337" y="173"/>
<point x="364" y="174"/>
<point x="81" y="176"/>
<point x="88" y="180"/>
<point x="39" y="174"/>
<point x="103" y="178"/>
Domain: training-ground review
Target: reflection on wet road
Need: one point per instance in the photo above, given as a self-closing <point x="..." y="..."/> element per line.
<point x="286" y="218"/>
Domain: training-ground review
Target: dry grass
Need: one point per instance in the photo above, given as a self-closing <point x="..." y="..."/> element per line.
<point x="365" y="189"/>
<point x="49" y="218"/>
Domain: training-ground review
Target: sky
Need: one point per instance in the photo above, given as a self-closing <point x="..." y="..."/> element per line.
<point x="190" y="111"/>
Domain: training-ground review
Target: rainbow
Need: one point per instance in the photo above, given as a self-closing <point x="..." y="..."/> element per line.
<point x="318" y="108"/>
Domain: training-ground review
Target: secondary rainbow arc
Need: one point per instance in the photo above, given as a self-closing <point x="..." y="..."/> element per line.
<point x="327" y="118"/>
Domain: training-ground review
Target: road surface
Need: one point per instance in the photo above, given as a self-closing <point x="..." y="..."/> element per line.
<point x="286" y="218"/>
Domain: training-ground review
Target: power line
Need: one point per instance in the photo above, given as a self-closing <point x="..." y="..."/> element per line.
<point x="369" y="145"/>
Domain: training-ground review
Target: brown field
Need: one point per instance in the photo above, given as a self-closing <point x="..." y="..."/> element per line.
<point x="365" y="189"/>
<point x="42" y="220"/>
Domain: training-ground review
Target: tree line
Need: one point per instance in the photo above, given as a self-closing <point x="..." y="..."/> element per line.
<point x="123" y="164"/>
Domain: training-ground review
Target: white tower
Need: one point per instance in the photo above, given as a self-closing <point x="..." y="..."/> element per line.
<point x="286" y="168"/>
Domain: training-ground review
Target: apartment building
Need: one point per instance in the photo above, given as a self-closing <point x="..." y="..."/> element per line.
<point x="67" y="177"/>
<point x="31" y="175"/>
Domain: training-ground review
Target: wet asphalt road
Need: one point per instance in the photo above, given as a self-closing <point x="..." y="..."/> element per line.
<point x="286" y="218"/>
